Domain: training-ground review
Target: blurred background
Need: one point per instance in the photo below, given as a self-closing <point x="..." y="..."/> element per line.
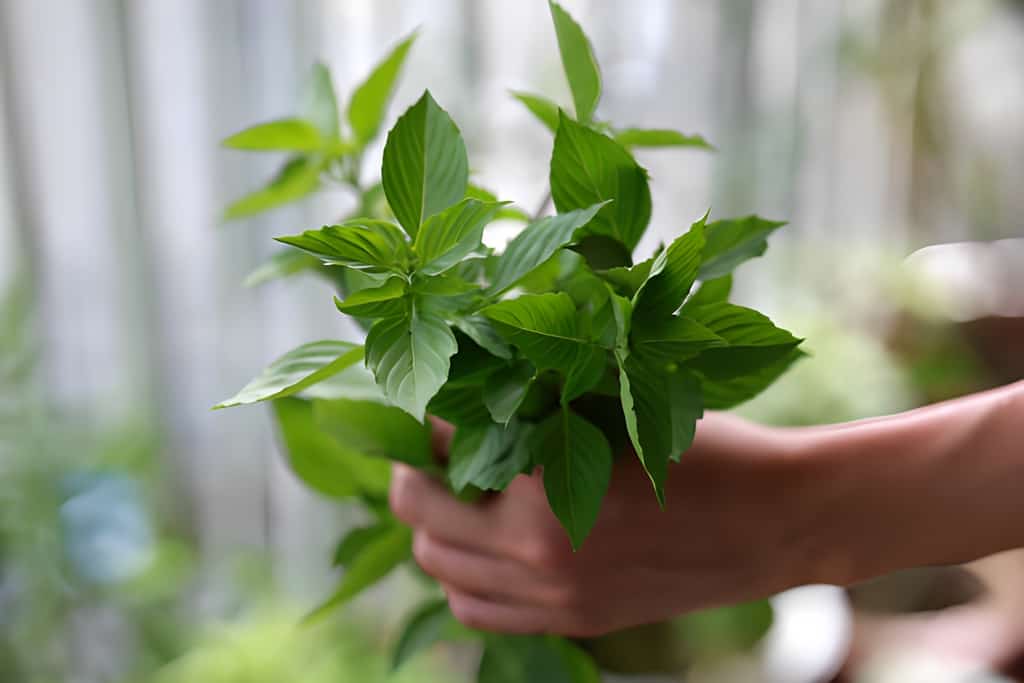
<point x="144" y="538"/>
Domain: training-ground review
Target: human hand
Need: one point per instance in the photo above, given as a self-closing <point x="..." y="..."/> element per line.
<point x="731" y="531"/>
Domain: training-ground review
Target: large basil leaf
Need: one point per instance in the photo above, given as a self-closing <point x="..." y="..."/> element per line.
<point x="579" y="63"/>
<point x="298" y="178"/>
<point x="587" y="168"/>
<point x="731" y="242"/>
<point x="753" y="341"/>
<point x="294" y="371"/>
<point x="425" y="166"/>
<point x="356" y="540"/>
<point x="662" y="406"/>
<point x="375" y="429"/>
<point x="320" y="103"/>
<point x="431" y="623"/>
<point x="505" y="390"/>
<point x="537" y="659"/>
<point x="448" y="237"/>
<point x="410" y="357"/>
<point x="363" y="244"/>
<point x="672" y="339"/>
<point x="326" y="465"/>
<point x="671" y="276"/>
<point x="284" y="263"/>
<point x="287" y="135"/>
<point x="723" y="393"/>
<point x="376" y="561"/>
<point x="541" y="107"/>
<point x="546" y="329"/>
<point x="370" y="100"/>
<point x="488" y="456"/>
<point x="710" y="292"/>
<point x="536" y="244"/>
<point x="659" y="137"/>
<point x="386" y="301"/>
<point x="577" y="462"/>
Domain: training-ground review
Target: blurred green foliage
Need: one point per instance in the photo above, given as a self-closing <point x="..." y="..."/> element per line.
<point x="269" y="647"/>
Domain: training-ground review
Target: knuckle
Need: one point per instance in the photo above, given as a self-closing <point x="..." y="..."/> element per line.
<point x="465" y="612"/>
<point x="568" y="597"/>
<point x="402" y="496"/>
<point x="425" y="551"/>
<point x="548" y="554"/>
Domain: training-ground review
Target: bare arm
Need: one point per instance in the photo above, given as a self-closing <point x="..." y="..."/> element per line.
<point x="938" y="485"/>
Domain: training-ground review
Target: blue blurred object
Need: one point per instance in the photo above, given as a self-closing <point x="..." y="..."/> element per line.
<point x="107" y="534"/>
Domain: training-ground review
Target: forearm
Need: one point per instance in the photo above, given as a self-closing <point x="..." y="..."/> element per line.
<point x="940" y="485"/>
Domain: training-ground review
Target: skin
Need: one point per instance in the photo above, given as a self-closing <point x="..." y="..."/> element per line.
<point x="751" y="511"/>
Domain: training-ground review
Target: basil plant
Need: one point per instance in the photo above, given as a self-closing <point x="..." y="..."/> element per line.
<point x="560" y="352"/>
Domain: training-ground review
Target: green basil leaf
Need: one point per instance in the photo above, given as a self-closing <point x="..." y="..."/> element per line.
<point x="488" y="456"/>
<point x="662" y="407"/>
<point x="320" y="461"/>
<point x="448" y="237"/>
<point x="294" y="371"/>
<point x="446" y="285"/>
<point x="281" y="265"/>
<point x="724" y="631"/>
<point x="425" y="166"/>
<point x="481" y="331"/>
<point x="459" y="405"/>
<point x="298" y="178"/>
<point x="505" y="390"/>
<point x="729" y="392"/>
<point x="536" y="244"/>
<point x="627" y="280"/>
<point x="410" y="357"/>
<point x="731" y="242"/>
<point x="355" y="383"/>
<point x="585" y="373"/>
<point x="370" y="100"/>
<point x="672" y="275"/>
<point x="603" y="253"/>
<point x="443" y="287"/>
<point x="580" y="666"/>
<point x="376" y="430"/>
<point x="588" y="168"/>
<point x="659" y="137"/>
<point x="357" y="539"/>
<point x="753" y="341"/>
<point x="472" y="364"/>
<point x="672" y="339"/>
<point x="538" y="659"/>
<point x="541" y="107"/>
<point x="386" y="301"/>
<point x="363" y="244"/>
<point x="376" y="561"/>
<point x="288" y="135"/>
<point x="577" y="462"/>
<point x="430" y="624"/>
<point x="546" y="329"/>
<point x="581" y="68"/>
<point x="710" y="292"/>
<point x="319" y="102"/>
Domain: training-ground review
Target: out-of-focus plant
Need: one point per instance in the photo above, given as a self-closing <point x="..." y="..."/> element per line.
<point x="78" y="537"/>
<point x="268" y="647"/>
<point x="560" y="351"/>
